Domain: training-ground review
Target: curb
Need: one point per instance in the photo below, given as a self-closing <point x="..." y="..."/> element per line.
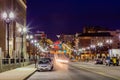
<point x="97" y="72"/>
<point x="29" y="75"/>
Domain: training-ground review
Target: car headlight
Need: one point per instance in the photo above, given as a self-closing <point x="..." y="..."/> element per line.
<point x="63" y="61"/>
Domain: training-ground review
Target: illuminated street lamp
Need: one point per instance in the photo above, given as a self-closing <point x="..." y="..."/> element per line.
<point x="93" y="49"/>
<point x="109" y="42"/>
<point x="92" y="46"/>
<point x="100" y="45"/>
<point x="88" y="48"/>
<point x="34" y="47"/>
<point x="22" y="30"/>
<point x="8" y="17"/>
<point x="83" y="49"/>
<point x="34" y="42"/>
<point x="29" y="38"/>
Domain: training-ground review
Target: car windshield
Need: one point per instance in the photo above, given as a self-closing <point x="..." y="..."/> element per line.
<point x="45" y="59"/>
<point x="43" y="62"/>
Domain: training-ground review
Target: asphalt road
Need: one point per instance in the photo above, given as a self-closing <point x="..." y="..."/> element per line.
<point x="67" y="72"/>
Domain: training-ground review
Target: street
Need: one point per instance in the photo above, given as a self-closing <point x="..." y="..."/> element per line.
<point x="67" y="72"/>
<point x="71" y="39"/>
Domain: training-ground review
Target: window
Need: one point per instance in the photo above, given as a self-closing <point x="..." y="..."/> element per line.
<point x="118" y="43"/>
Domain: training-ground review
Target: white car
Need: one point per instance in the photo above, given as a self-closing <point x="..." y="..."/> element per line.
<point x="44" y="64"/>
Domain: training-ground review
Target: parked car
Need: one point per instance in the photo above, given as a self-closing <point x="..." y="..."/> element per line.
<point x="73" y="60"/>
<point x="45" y="64"/>
<point x="98" y="61"/>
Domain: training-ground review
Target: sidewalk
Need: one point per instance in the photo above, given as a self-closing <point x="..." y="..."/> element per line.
<point x="110" y="71"/>
<point x="18" y="73"/>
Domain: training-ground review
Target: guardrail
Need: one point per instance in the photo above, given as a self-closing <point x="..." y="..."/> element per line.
<point x="8" y="64"/>
<point x="12" y="61"/>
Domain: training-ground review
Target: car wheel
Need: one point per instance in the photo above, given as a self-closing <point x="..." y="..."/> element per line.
<point x="38" y="70"/>
<point x="51" y="68"/>
<point x="117" y="64"/>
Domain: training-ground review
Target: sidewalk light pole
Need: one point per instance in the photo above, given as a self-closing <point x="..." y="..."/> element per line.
<point x="93" y="47"/>
<point x="100" y="44"/>
<point x="109" y="42"/>
<point x="37" y="46"/>
<point x="22" y="30"/>
<point x="8" y="17"/>
<point x="34" y="47"/>
<point x="29" y="37"/>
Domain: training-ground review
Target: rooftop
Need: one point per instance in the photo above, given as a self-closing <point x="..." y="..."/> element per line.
<point x="102" y="34"/>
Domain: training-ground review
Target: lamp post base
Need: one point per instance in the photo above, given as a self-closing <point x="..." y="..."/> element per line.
<point x="8" y="56"/>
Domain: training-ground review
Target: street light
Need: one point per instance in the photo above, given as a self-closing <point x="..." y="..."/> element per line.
<point x="88" y="48"/>
<point x="22" y="30"/>
<point x="34" y="47"/>
<point x="92" y="46"/>
<point x="83" y="49"/>
<point x="29" y="37"/>
<point x="8" y="17"/>
<point x="109" y="42"/>
<point x="100" y="44"/>
<point x="93" y="49"/>
<point x="34" y="42"/>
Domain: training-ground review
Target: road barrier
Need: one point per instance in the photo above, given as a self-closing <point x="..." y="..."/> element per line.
<point x="8" y="64"/>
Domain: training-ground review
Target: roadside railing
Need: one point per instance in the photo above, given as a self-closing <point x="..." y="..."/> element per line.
<point x="12" y="61"/>
<point x="8" y="63"/>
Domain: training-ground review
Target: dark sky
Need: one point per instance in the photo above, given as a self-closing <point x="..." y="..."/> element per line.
<point x="70" y="16"/>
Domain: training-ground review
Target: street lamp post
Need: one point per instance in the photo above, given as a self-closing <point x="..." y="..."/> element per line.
<point x="109" y="42"/>
<point x="100" y="45"/>
<point x="8" y="17"/>
<point x="22" y="31"/>
<point x="34" y="47"/>
<point x="93" y="48"/>
<point x="29" y="37"/>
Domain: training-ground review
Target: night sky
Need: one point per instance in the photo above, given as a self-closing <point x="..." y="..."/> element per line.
<point x="70" y="16"/>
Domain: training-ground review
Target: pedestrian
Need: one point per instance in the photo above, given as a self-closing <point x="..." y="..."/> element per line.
<point x="87" y="59"/>
<point x="107" y="61"/>
<point x="114" y="60"/>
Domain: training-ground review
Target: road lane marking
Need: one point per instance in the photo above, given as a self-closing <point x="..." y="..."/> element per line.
<point x="97" y="72"/>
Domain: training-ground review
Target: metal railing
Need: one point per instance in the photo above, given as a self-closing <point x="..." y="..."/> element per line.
<point x="12" y="61"/>
<point x="8" y="63"/>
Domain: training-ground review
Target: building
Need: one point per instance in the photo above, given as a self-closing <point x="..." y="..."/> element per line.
<point x="96" y="36"/>
<point x="115" y="38"/>
<point x="86" y="40"/>
<point x="94" y="29"/>
<point x="95" y="42"/>
<point x="19" y="8"/>
<point x="40" y="35"/>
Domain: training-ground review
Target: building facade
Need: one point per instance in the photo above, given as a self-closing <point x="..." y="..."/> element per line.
<point x="96" y="42"/>
<point x="18" y="7"/>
